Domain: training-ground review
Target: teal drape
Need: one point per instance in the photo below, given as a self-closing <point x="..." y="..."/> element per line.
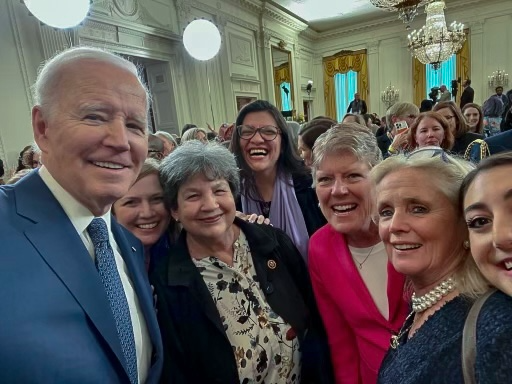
<point x="443" y="76"/>
<point x="286" y="98"/>
<point x="345" y="86"/>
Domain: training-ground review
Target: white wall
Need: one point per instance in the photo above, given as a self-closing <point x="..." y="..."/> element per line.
<point x="244" y="64"/>
<point x="389" y="61"/>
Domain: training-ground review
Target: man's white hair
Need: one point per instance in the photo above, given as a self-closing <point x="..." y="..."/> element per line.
<point x="45" y="88"/>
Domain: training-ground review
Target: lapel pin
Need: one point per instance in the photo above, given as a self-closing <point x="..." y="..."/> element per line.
<point x="271" y="264"/>
<point x="133" y="249"/>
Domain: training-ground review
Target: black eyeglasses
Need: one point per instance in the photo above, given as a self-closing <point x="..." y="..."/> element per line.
<point x="268" y="132"/>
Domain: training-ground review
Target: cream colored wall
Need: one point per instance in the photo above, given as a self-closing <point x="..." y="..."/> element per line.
<point x="389" y="61"/>
<point x="244" y="64"/>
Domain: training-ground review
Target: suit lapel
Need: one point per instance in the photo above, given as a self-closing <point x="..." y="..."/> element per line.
<point x="57" y="242"/>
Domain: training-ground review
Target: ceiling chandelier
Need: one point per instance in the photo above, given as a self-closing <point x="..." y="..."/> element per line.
<point x="407" y="9"/>
<point x="434" y="43"/>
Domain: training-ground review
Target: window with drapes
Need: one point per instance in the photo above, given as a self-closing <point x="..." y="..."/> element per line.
<point x="443" y="76"/>
<point x="345" y="86"/>
<point x="285" y="96"/>
<point x="462" y="64"/>
<point x="342" y="63"/>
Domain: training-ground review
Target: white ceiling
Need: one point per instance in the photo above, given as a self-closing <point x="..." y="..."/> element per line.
<point x="322" y="15"/>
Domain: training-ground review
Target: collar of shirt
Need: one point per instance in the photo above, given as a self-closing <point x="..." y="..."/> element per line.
<point x="79" y="215"/>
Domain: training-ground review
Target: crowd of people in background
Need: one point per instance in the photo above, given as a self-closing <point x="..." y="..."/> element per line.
<point x="358" y="251"/>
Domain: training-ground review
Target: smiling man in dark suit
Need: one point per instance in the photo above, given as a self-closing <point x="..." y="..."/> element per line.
<point x="75" y="303"/>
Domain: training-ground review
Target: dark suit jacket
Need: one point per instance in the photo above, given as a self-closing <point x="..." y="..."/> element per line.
<point x="56" y="325"/>
<point x="468" y="95"/>
<point x="196" y="347"/>
<point x="351" y="107"/>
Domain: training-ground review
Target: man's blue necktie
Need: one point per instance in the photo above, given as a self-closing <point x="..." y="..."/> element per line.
<point x="107" y="268"/>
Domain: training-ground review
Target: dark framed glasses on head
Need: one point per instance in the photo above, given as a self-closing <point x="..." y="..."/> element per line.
<point x="268" y="132"/>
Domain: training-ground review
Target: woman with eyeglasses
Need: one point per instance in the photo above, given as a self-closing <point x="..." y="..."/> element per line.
<point x="430" y="129"/>
<point x="274" y="181"/>
<point x="460" y="129"/>
<point x="426" y="239"/>
<point x="359" y="294"/>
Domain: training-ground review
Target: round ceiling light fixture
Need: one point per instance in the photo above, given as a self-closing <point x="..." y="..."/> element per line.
<point x="201" y="39"/>
<point x="59" y="13"/>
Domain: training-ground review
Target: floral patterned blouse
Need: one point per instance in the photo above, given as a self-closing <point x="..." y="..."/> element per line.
<point x="266" y="348"/>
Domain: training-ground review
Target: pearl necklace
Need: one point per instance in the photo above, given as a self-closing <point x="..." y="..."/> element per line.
<point x="422" y="303"/>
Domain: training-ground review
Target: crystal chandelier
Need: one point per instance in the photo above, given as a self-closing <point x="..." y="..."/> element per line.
<point x="390" y="95"/>
<point x="407" y="9"/>
<point x="498" y="78"/>
<point x="434" y="43"/>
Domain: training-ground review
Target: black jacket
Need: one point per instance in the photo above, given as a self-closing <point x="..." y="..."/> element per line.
<point x="462" y="142"/>
<point x="308" y="203"/>
<point x="467" y="96"/>
<point x="352" y="107"/>
<point x="196" y="348"/>
<point x="384" y="141"/>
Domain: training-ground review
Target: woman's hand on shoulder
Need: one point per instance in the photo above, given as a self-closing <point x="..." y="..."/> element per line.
<point x="253" y="218"/>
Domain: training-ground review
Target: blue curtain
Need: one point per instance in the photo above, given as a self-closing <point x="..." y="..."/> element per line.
<point x="443" y="75"/>
<point x="286" y="98"/>
<point x="345" y="86"/>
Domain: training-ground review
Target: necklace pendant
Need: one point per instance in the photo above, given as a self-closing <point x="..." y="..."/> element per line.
<point x="360" y="266"/>
<point x="395" y="341"/>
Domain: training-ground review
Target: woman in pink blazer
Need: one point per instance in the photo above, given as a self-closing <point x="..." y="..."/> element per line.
<point x="359" y="294"/>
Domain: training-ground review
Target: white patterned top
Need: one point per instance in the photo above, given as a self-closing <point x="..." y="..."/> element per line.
<point x="266" y="348"/>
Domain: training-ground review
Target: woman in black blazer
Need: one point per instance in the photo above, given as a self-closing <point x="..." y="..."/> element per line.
<point x="234" y="299"/>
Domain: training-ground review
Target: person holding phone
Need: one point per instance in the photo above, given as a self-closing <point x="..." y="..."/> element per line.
<point x="393" y="141"/>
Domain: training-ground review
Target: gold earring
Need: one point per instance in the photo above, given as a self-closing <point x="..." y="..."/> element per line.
<point x="466" y="244"/>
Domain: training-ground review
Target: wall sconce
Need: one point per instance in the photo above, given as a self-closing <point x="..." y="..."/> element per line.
<point x="309" y="87"/>
<point x="390" y="95"/>
<point x="498" y="78"/>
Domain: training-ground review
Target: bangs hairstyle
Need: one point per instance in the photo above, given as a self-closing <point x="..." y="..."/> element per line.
<point x="193" y="158"/>
<point x="346" y="137"/>
<point x="289" y="161"/>
<point x="52" y="74"/>
<point x="460" y="122"/>
<point x="446" y="173"/>
<point x="448" y="139"/>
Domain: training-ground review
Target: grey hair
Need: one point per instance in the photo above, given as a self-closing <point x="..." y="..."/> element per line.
<point x="192" y="158"/>
<point x="50" y="74"/>
<point x="191" y="133"/>
<point x="401" y="109"/>
<point x="166" y="136"/>
<point x="448" y="172"/>
<point x="359" y="119"/>
<point x="346" y="137"/>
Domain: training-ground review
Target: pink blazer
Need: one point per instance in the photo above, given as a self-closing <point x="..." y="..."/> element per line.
<point x="358" y="334"/>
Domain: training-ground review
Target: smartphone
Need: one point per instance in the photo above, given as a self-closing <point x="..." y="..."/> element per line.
<point x="401" y="127"/>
